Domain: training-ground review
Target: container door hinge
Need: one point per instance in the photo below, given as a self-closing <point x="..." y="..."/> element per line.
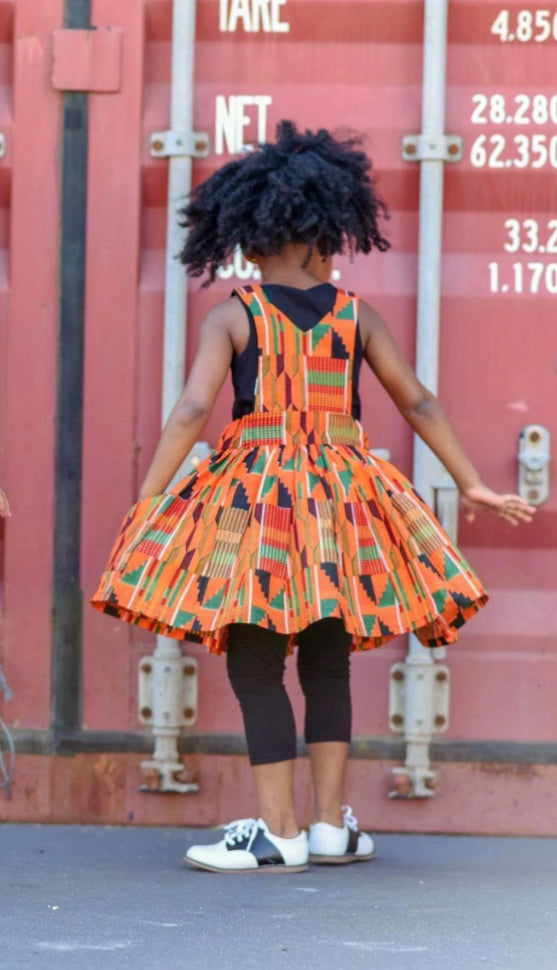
<point x="166" y="144"/>
<point x="167" y="703"/>
<point x="87" y="60"/>
<point x="442" y="148"/>
<point x="418" y="708"/>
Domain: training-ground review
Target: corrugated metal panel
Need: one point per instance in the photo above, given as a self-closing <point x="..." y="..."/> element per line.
<point x="361" y="68"/>
<point x="6" y="67"/>
<point x="499" y="367"/>
<point x="29" y="114"/>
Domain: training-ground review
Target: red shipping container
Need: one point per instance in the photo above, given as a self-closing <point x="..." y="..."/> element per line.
<point x="346" y="63"/>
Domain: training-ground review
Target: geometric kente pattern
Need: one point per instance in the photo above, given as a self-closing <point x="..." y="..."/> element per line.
<point x="292" y="518"/>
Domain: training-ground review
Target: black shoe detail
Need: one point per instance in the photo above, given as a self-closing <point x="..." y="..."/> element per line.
<point x="265" y="851"/>
<point x="262" y="848"/>
<point x="353" y="836"/>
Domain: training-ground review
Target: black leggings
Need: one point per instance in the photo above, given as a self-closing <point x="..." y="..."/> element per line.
<point x="255" y="664"/>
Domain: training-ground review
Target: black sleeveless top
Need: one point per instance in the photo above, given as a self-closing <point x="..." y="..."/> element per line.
<point x="306" y="308"/>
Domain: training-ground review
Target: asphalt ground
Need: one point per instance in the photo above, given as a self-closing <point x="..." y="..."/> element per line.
<point x="105" y="898"/>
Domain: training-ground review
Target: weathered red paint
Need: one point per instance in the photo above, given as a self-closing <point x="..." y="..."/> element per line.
<point x="87" y="60"/>
<point x="102" y="788"/>
<point x="30" y="121"/>
<point x="355" y="64"/>
<point x="113" y="293"/>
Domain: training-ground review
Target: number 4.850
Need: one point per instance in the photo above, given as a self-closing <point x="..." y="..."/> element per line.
<point x="536" y="25"/>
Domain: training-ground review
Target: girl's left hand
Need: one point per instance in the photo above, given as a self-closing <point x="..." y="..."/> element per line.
<point x="512" y="508"/>
<point x="5" y="511"/>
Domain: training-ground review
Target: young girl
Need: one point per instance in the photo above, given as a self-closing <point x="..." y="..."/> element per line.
<point x="293" y="533"/>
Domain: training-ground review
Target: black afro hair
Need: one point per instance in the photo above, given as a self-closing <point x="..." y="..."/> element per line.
<point x="306" y="187"/>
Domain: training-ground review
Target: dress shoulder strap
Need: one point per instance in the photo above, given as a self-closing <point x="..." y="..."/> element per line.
<point x="347" y="305"/>
<point x="246" y="293"/>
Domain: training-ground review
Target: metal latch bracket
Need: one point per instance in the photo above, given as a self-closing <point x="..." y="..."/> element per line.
<point x="168" y="691"/>
<point x="441" y="148"/>
<point x="534" y="461"/>
<point x="419" y="699"/>
<point x="172" y="143"/>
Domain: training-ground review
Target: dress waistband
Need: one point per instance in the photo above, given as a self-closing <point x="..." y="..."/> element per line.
<point x="294" y="428"/>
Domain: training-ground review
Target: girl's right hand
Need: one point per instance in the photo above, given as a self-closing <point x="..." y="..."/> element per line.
<point x="512" y="508"/>
<point x="4" y="505"/>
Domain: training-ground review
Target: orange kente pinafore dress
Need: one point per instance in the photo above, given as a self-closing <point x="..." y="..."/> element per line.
<point x="292" y="518"/>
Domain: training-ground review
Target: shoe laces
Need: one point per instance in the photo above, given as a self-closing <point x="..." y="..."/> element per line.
<point x="242" y="828"/>
<point x="349" y="818"/>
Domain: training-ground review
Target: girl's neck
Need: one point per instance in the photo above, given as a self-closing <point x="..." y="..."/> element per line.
<point x="286" y="268"/>
<point x="298" y="282"/>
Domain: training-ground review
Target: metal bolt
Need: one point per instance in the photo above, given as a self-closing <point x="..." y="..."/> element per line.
<point x="151" y="779"/>
<point x="146" y="668"/>
<point x="200" y="145"/>
<point x="533" y="495"/>
<point x="189" y="671"/>
<point x="534" y="436"/>
<point x="410" y="149"/>
<point x="430" y="783"/>
<point x="403" y="786"/>
<point x="453" y="148"/>
<point x="397" y="675"/>
<point x="146" y="712"/>
<point x="157" y="145"/>
<point x="441" y="676"/>
<point x="189" y="712"/>
<point x="440" y="720"/>
<point x="167" y="669"/>
<point x="397" y="719"/>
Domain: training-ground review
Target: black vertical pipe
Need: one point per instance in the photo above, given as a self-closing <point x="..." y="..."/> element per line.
<point x="67" y="637"/>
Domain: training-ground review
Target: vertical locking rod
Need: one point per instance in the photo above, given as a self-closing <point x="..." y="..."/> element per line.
<point x="172" y="774"/>
<point x="416" y="779"/>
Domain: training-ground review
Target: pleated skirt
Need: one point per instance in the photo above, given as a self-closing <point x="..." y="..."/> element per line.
<point x="291" y="519"/>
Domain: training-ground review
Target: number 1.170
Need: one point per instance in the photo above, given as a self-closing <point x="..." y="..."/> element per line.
<point x="526" y="278"/>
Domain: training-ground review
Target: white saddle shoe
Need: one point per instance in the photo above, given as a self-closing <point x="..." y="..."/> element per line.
<point x="335" y="845"/>
<point x="249" y="846"/>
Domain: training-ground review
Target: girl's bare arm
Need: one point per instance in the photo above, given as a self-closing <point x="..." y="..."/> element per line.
<point x="194" y="407"/>
<point x="4" y="505"/>
<point x="426" y="416"/>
